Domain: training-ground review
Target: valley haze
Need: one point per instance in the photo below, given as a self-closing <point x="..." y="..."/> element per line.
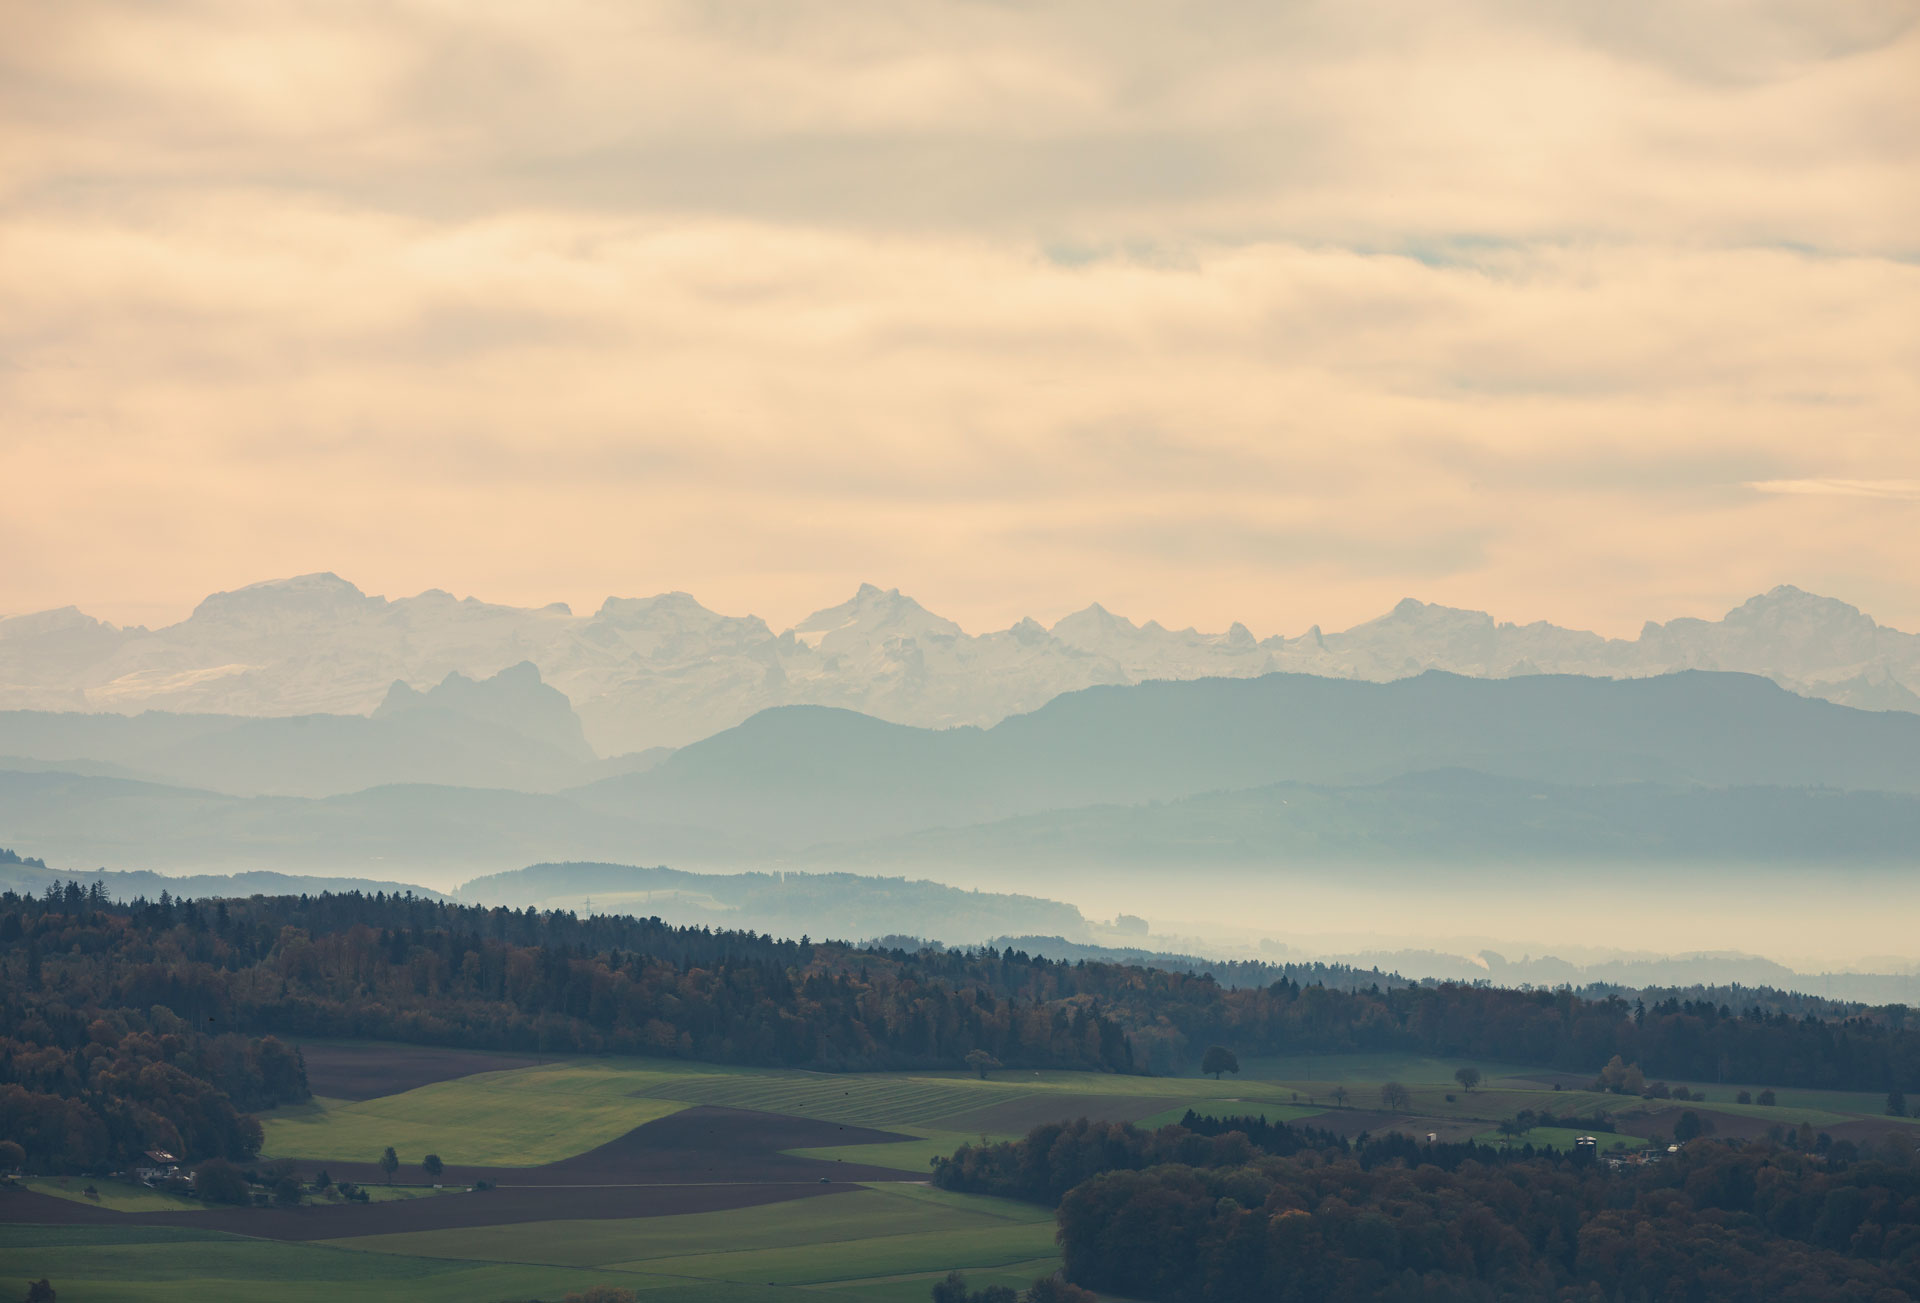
<point x="1749" y="784"/>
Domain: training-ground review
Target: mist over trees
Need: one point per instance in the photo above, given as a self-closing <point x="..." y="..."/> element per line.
<point x="94" y="990"/>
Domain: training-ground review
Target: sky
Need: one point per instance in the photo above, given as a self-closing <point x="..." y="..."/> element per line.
<point x="1222" y="310"/>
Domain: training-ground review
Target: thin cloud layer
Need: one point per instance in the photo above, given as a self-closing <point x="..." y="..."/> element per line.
<point x="1238" y="311"/>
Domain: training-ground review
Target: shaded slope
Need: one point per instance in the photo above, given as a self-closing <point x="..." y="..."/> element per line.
<point x="1454" y="815"/>
<point x="803" y="774"/>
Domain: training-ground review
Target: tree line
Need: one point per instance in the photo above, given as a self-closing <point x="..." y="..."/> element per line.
<point x="1199" y="1213"/>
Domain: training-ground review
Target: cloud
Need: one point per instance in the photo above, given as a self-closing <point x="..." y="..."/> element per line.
<point x="1897" y="490"/>
<point x="1276" y="316"/>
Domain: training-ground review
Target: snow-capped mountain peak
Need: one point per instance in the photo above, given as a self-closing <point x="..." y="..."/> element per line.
<point x="665" y="670"/>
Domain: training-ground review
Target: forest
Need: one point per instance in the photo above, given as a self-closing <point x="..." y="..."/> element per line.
<point x="133" y="1024"/>
<point x="1218" y="1210"/>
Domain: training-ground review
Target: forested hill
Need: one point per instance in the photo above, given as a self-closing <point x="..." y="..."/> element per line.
<point x="80" y="975"/>
<point x="1215" y="1211"/>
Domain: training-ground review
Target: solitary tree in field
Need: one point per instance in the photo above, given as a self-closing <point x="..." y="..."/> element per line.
<point x="219" y="1181"/>
<point x="1340" y="1096"/>
<point x="1394" y="1097"/>
<point x="1219" y="1059"/>
<point x="1468" y="1077"/>
<point x="432" y="1166"/>
<point x="389" y="1163"/>
<point x="1519" y="1124"/>
<point x="1896" y="1104"/>
<point x="1691" y="1126"/>
<point x="981" y="1062"/>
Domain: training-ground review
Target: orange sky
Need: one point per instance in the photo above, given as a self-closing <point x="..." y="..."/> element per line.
<point x="1238" y="310"/>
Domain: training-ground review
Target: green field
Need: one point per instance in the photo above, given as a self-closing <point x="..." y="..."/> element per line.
<point x="520" y="1118"/>
<point x="1357" y="1070"/>
<point x="882" y="1243"/>
<point x="888" y="1248"/>
<point x="1561" y="1138"/>
<point x="867" y="1238"/>
<point x="885" y="1210"/>
<point x="534" y="1115"/>
<point x="120" y="1196"/>
<point x="138" y="1264"/>
<point x="529" y="1116"/>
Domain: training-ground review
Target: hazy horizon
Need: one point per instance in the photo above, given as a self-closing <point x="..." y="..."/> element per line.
<point x="1048" y="616"/>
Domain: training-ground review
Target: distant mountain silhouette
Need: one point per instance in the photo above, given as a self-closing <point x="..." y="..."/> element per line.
<point x="785" y="904"/>
<point x="509" y="731"/>
<point x="666" y="671"/>
<point x="804" y="774"/>
<point x="515" y="700"/>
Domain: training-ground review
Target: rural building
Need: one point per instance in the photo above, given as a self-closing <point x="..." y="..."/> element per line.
<point x="159" y="1166"/>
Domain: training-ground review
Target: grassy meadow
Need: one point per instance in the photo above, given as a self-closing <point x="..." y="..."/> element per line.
<point x="522" y="1118"/>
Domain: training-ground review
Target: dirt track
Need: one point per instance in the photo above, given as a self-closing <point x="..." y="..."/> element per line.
<point x="697" y="1160"/>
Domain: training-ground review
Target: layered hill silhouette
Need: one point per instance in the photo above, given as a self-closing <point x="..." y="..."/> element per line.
<point x="666" y="671"/>
<point x="1279" y="769"/>
<point x="806" y="774"/>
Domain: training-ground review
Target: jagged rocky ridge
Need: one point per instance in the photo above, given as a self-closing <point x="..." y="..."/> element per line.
<point x="665" y="671"/>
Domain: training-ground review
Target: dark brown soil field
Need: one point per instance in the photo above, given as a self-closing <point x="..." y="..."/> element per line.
<point x="357" y="1072"/>
<point x="1664" y="1117"/>
<point x="1869" y="1134"/>
<point x="697" y="1160"/>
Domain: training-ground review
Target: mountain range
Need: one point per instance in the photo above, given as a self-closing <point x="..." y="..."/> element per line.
<point x="665" y="671"/>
